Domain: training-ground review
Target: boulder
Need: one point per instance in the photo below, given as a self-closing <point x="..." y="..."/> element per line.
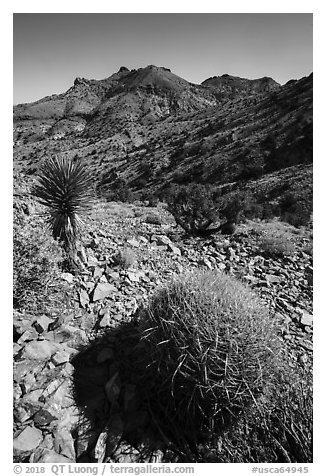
<point x="39" y="350"/>
<point x="28" y="439"/>
<point x="103" y="290"/>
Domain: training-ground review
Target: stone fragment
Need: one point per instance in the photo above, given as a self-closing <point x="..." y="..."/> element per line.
<point x="68" y="277"/>
<point x="103" y="290"/>
<point x="16" y="348"/>
<point x="105" y="321"/>
<point x="221" y="266"/>
<point x="133" y="242"/>
<point x="174" y="249"/>
<point x="60" y="357"/>
<point x="28" y="382"/>
<point x="41" y="324"/>
<point x="28" y="335"/>
<point x="83" y="298"/>
<point x="43" y="418"/>
<point x="39" y="350"/>
<point x="28" y="439"/>
<point x="64" y="444"/>
<point x="163" y="240"/>
<point x="97" y="272"/>
<point x="306" y="319"/>
<point x="272" y="278"/>
<point x="44" y="455"/>
<point x="134" y="276"/>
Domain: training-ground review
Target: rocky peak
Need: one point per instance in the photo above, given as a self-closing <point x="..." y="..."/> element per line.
<point x="123" y="69"/>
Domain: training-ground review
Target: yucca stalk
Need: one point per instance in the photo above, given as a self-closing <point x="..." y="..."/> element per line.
<point x="66" y="189"/>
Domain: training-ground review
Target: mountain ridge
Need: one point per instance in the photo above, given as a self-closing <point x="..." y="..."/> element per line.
<point x="152" y="128"/>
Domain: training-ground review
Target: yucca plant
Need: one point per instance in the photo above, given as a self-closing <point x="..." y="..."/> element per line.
<point x="66" y="188"/>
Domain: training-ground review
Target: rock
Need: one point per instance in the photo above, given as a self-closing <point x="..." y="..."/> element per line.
<point x="133" y="242"/>
<point x="60" y="357"/>
<point x="305" y="344"/>
<point x="143" y="239"/>
<point x="271" y="278"/>
<point x="163" y="240"/>
<point x="33" y="396"/>
<point x="68" y="277"/>
<point x="100" y="447"/>
<point x="42" y="323"/>
<point x="103" y="290"/>
<point x="174" y="249"/>
<point x="113" y="276"/>
<point x="250" y="279"/>
<point x="16" y="348"/>
<point x="43" y="418"/>
<point x="303" y="359"/>
<point x="64" y="444"/>
<point x="39" y="350"/>
<point x="44" y="455"/>
<point x="97" y="273"/>
<point x="205" y="262"/>
<point x="306" y="319"/>
<point x="134" y="276"/>
<point x="105" y="321"/>
<point x="28" y="335"/>
<point x="221" y="266"/>
<point x="92" y="262"/>
<point x="28" y="382"/>
<point x="28" y="439"/>
<point x="83" y="298"/>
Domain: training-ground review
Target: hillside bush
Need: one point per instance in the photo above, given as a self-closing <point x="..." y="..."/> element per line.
<point x="210" y="350"/>
<point x="294" y="211"/>
<point x="36" y="263"/>
<point x="275" y="241"/>
<point x="193" y="206"/>
<point x="120" y="191"/>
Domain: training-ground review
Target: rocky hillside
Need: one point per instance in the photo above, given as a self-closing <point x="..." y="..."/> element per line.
<point x="152" y="128"/>
<point x="71" y="403"/>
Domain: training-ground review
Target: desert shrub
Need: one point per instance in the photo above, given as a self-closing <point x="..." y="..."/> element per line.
<point x="120" y="192"/>
<point x="126" y="258"/>
<point x="153" y="219"/>
<point x="210" y="350"/>
<point x="275" y="242"/>
<point x="193" y="206"/>
<point x="294" y="211"/>
<point x="36" y="259"/>
<point x="237" y="206"/>
<point x="65" y="188"/>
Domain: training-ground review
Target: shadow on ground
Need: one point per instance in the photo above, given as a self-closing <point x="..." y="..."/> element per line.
<point x="116" y="426"/>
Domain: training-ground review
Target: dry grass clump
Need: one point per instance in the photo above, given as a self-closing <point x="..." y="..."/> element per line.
<point x="211" y="350"/>
<point x="275" y="238"/>
<point x="36" y="259"/>
<point x="126" y="258"/>
<point x="279" y="429"/>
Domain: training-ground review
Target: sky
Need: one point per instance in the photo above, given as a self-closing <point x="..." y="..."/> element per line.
<point x="50" y="50"/>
